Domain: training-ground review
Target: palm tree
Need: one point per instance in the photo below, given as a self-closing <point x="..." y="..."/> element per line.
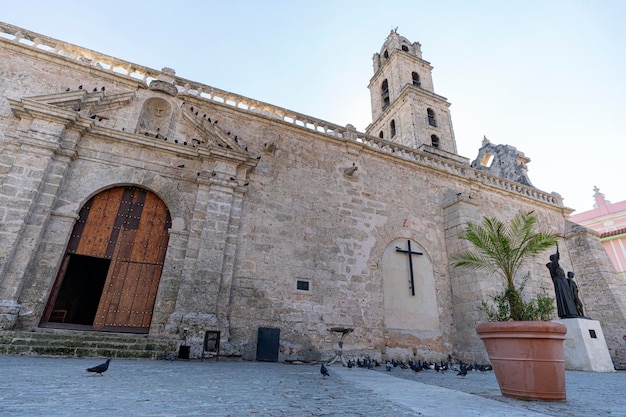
<point x="502" y="249"/>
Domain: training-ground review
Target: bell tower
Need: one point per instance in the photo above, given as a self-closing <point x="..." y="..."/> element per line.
<point x="405" y="108"/>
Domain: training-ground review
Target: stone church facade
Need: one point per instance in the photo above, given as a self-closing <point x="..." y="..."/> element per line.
<point x="135" y="201"/>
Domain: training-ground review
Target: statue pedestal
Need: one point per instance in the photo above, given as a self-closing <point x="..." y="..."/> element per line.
<point x="585" y="347"/>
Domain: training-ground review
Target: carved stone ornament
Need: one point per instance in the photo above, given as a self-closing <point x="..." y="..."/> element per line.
<point x="165" y="87"/>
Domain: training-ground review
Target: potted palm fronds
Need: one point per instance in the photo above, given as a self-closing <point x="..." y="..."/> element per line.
<point x="525" y="349"/>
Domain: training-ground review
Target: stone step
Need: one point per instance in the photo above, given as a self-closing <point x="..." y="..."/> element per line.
<point x="94" y="344"/>
<point x="85" y="345"/>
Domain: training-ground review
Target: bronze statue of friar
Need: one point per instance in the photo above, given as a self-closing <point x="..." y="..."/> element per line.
<point x="566" y="304"/>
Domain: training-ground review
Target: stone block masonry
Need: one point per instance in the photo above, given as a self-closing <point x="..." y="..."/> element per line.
<point x="267" y="228"/>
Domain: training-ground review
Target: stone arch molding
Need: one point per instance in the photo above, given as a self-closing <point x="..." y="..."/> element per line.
<point x="112" y="265"/>
<point x="71" y="200"/>
<point x="404" y="311"/>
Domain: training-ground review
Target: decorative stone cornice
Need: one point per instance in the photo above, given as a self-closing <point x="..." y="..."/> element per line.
<point x="211" y="133"/>
<point x="31" y="109"/>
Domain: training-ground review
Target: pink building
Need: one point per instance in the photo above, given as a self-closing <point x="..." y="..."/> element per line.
<point x="610" y="221"/>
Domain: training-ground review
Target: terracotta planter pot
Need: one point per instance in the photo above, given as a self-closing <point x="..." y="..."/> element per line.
<point x="527" y="358"/>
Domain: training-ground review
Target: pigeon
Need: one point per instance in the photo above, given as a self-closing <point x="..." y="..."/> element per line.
<point x="462" y="371"/>
<point x="100" y="369"/>
<point x="324" y="371"/>
<point x="416" y="368"/>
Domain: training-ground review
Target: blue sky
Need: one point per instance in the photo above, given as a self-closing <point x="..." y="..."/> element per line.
<point x="547" y="77"/>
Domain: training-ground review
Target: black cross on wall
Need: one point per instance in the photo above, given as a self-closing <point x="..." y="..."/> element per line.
<point x="410" y="253"/>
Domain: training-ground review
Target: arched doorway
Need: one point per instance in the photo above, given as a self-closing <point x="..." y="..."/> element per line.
<point x="111" y="270"/>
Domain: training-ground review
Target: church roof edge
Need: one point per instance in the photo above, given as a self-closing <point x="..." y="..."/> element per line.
<point x="188" y="89"/>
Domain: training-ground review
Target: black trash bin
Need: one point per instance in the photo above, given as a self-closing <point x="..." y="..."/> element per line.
<point x="183" y="352"/>
<point x="267" y="344"/>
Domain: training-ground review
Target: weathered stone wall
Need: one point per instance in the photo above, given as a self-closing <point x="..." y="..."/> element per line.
<point x="601" y="289"/>
<point x="244" y="229"/>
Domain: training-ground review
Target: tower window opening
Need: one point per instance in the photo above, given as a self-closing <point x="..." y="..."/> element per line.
<point x="405" y="48"/>
<point x="385" y="94"/>
<point x="416" y="79"/>
<point x="386" y="54"/>
<point x="431" y="118"/>
<point x="380" y="135"/>
<point x="434" y="141"/>
<point x="392" y="126"/>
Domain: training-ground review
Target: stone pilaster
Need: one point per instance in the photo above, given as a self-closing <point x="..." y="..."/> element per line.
<point x="467" y="286"/>
<point x="46" y="139"/>
<point x="165" y="303"/>
<point x="207" y="269"/>
<point x="223" y="301"/>
<point x="33" y="297"/>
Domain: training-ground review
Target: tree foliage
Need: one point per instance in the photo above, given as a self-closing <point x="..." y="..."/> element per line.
<point x="502" y="249"/>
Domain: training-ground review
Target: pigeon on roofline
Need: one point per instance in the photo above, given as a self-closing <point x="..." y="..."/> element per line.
<point x="100" y="368"/>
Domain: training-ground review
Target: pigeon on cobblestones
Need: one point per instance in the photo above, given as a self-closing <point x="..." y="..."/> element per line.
<point x="324" y="371"/>
<point x="100" y="368"/>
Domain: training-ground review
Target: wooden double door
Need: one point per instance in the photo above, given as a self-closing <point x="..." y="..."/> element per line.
<point x="111" y="270"/>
